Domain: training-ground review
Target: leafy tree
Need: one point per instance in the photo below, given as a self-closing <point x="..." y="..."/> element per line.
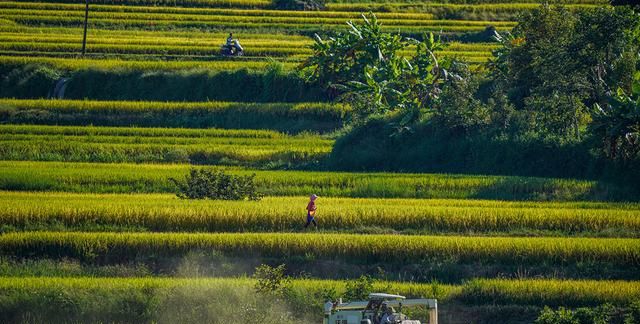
<point x="216" y="184"/>
<point x="533" y="64"/>
<point x="459" y="110"/>
<point x="557" y="63"/>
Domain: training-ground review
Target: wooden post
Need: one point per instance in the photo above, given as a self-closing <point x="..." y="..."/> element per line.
<point x="86" y="20"/>
<point x="433" y="313"/>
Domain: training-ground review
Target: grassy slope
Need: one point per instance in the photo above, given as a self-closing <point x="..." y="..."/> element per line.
<point x="127" y="178"/>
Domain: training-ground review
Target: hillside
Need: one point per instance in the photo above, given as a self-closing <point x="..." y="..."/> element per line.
<point x="91" y="229"/>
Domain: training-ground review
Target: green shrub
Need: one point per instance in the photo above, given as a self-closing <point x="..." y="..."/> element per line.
<point x="633" y="314"/>
<point x="270" y="279"/>
<point x="216" y="184"/>
<point x="602" y="314"/>
<point x="561" y="316"/>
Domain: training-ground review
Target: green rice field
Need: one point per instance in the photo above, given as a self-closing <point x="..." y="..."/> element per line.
<point x="91" y="230"/>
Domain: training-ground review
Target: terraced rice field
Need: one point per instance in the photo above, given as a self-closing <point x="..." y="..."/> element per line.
<point x="49" y="33"/>
<point x="108" y="144"/>
<point x="91" y="230"/>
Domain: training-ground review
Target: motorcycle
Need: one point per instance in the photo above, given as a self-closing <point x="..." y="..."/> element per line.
<point x="232" y="50"/>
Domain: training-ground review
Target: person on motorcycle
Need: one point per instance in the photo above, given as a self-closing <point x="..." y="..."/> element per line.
<point x="229" y="43"/>
<point x="230" y="40"/>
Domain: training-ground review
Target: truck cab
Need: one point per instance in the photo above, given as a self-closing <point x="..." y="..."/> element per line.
<point x="378" y="309"/>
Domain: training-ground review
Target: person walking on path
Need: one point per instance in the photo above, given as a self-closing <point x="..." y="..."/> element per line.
<point x="311" y="211"/>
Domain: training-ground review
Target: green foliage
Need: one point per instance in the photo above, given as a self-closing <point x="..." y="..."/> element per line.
<point x="31" y="80"/>
<point x="602" y="314"/>
<point x="527" y="115"/>
<point x="557" y="63"/>
<point x="359" y="289"/>
<point x="199" y="85"/>
<point x="271" y="280"/>
<point x="216" y="184"/>
<point x="459" y="110"/>
<point x="633" y="314"/>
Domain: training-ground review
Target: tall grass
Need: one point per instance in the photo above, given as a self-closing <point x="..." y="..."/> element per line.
<point x="75" y="64"/>
<point x="166" y="213"/>
<point x="128" y="178"/>
<point x="623" y="254"/>
<point x="284" y="117"/>
<point x="550" y="292"/>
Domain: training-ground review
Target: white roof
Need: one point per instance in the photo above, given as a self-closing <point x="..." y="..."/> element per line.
<point x="430" y="303"/>
<point x="384" y="296"/>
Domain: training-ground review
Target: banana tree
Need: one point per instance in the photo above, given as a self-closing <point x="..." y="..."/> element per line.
<point x="365" y="66"/>
<point x="617" y="124"/>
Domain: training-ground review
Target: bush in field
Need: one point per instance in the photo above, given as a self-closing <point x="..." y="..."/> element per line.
<point x="216" y="184"/>
<point x="270" y="279"/>
<point x="561" y="316"/>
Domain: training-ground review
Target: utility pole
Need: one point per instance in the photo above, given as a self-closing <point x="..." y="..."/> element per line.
<point x="86" y="20"/>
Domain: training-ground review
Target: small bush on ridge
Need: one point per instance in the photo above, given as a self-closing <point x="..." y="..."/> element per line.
<point x="216" y="184"/>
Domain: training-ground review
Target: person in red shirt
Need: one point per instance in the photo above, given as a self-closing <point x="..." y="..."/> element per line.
<point x="311" y="211"/>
